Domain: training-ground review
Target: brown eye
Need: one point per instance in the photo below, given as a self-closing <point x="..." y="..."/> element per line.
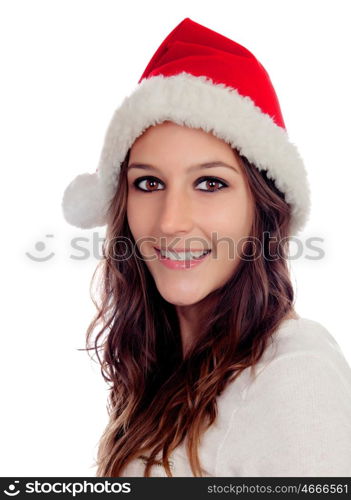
<point x="151" y="182"/>
<point x="211" y="182"/>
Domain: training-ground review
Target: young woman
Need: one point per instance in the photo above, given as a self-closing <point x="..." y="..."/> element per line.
<point x="211" y="370"/>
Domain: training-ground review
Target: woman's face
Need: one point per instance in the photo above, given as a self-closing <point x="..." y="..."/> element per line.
<point x="176" y="203"/>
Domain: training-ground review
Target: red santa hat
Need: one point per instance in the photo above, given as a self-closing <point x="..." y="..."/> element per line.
<point x="197" y="78"/>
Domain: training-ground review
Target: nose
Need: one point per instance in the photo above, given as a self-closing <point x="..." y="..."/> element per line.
<point x="176" y="212"/>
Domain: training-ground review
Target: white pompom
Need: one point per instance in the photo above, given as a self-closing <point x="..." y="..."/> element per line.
<point x="84" y="202"/>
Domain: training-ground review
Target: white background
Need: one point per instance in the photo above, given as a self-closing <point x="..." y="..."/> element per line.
<point x="65" y="67"/>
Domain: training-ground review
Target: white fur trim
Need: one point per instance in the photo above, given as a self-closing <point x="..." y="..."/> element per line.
<point x="85" y="201"/>
<point x="194" y="102"/>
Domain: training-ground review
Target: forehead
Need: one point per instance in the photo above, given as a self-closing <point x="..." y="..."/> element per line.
<point x="169" y="130"/>
<point x="181" y="145"/>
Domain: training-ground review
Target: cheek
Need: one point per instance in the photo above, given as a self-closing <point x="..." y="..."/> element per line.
<point x="232" y="217"/>
<point x="135" y="216"/>
<point x="141" y="219"/>
<point x="230" y="226"/>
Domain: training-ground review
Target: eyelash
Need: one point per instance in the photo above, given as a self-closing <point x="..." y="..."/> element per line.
<point x="201" y="179"/>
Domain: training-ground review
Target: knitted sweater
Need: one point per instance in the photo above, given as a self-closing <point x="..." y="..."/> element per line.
<point x="292" y="419"/>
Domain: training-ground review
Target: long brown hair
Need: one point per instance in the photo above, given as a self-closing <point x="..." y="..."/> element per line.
<point x="158" y="397"/>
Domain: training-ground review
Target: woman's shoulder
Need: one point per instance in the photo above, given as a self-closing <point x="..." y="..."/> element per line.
<point x="297" y="406"/>
<point x="304" y="343"/>
<point x="303" y="335"/>
<point x="299" y="349"/>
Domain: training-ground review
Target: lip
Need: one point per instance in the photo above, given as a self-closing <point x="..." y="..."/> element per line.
<point x="180" y="264"/>
<point x="182" y="249"/>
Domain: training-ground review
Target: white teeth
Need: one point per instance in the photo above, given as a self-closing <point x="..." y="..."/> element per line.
<point x="182" y="255"/>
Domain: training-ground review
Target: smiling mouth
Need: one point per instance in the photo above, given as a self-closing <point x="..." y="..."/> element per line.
<point x="182" y="256"/>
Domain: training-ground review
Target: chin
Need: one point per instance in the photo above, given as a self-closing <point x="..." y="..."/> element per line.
<point x="181" y="298"/>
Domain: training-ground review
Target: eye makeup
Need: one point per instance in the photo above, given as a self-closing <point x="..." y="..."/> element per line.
<point x="202" y="179"/>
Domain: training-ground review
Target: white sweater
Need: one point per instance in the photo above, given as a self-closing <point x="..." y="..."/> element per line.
<point x="293" y="419"/>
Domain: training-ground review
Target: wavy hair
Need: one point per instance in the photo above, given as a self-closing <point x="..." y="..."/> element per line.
<point x="158" y="397"/>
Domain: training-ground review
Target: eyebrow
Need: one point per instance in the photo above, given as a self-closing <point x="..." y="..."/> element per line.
<point x="145" y="166"/>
